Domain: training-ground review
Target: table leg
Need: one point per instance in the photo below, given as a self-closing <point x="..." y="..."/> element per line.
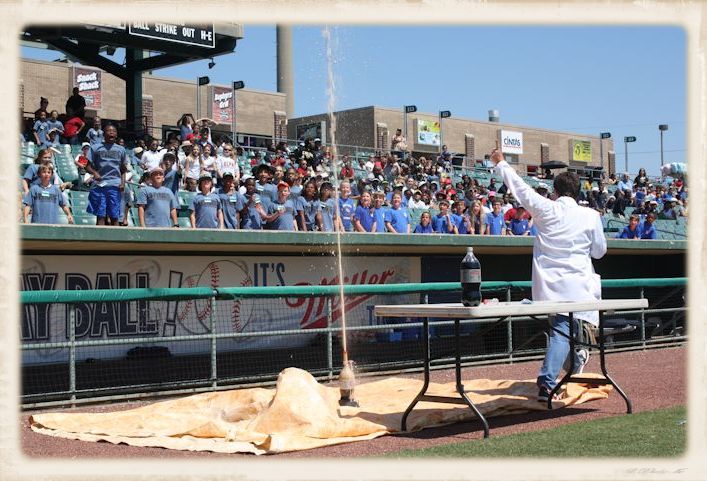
<point x="460" y="386"/>
<point x="588" y="380"/>
<point x="629" y="407"/>
<point x="426" y="383"/>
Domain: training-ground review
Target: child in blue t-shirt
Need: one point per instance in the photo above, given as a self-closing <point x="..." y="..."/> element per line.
<point x="43" y="198"/>
<point x="328" y="207"/>
<point x="397" y="218"/>
<point x="425" y="225"/>
<point x="379" y="211"/>
<point x="632" y="230"/>
<point x="205" y="207"/>
<point x="156" y="204"/>
<point x="364" y="217"/>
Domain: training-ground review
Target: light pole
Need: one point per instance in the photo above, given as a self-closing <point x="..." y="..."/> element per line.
<point x="443" y="114"/>
<point x="407" y="109"/>
<point x="626" y="141"/>
<point x="662" y="128"/>
<point x="602" y="136"/>
<point x="237" y="85"/>
<point x="199" y="82"/>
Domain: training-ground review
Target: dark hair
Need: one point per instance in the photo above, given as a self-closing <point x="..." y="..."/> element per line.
<point x="566" y="184"/>
<point x="169" y="156"/>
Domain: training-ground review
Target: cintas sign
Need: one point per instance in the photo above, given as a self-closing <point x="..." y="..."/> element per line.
<point x="511" y="142"/>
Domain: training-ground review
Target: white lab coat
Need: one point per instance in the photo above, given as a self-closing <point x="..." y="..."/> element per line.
<point x="568" y="235"/>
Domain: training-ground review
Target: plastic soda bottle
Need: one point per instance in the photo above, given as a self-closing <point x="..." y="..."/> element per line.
<point x="470" y="276"/>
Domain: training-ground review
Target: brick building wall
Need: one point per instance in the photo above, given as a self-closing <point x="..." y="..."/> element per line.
<point x="169" y="98"/>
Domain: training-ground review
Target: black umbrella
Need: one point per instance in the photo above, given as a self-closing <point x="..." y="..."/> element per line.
<point x="553" y="164"/>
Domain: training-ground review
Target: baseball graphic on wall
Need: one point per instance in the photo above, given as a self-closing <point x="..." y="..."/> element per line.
<point x="194" y="315"/>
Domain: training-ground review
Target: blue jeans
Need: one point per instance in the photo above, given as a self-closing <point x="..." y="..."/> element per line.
<point x="558" y="351"/>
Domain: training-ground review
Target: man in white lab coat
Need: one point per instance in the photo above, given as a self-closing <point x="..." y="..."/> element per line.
<point x="568" y="237"/>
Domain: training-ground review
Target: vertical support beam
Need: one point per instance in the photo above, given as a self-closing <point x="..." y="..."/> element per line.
<point x="133" y="90"/>
<point x="509" y="344"/>
<point x="72" y="353"/>
<point x="212" y="329"/>
<point x="329" y="339"/>
<point x="285" y="75"/>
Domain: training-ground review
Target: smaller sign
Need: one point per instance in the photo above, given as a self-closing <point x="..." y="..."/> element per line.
<point x="445" y="114"/>
<point x="629" y="139"/>
<point x="428" y="132"/>
<point x="238" y="84"/>
<point x="511" y="142"/>
<point x="88" y="82"/>
<point x="581" y="150"/>
<point x="605" y="135"/>
<point x="222" y="105"/>
<point x="410" y="109"/>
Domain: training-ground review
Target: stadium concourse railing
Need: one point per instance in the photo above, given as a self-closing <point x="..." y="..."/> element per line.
<point x="379" y="346"/>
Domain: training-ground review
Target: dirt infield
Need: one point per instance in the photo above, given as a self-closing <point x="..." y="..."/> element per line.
<point x="653" y="379"/>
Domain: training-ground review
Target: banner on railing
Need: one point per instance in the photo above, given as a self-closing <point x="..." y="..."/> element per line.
<point x="156" y="319"/>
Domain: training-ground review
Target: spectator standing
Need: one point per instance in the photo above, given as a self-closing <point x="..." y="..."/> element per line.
<point x="193" y="167"/>
<point x="416" y="202"/>
<point x="442" y="222"/>
<point x="379" y="211"/>
<point x="267" y="191"/>
<point x="328" y="207"/>
<point x="232" y="202"/>
<point x="95" y="134"/>
<point x="205" y="207"/>
<point x="172" y="172"/>
<point x="209" y="158"/>
<point x="346" y="207"/>
<point x="253" y="214"/>
<point x="399" y="144"/>
<point x="40" y="130"/>
<point x="309" y="208"/>
<point x="282" y="212"/>
<point x="76" y="104"/>
<point x="227" y="162"/>
<point x="43" y="105"/>
<point x="108" y="163"/>
<point x="156" y="204"/>
<point x="641" y="179"/>
<point x="495" y="225"/>
<point x="186" y="125"/>
<point x="364" y="217"/>
<point x="55" y="125"/>
<point x="43" y="199"/>
<point x="461" y="219"/>
<point x="477" y="218"/>
<point x="72" y="130"/>
<point x="152" y="158"/>
<point x="397" y="219"/>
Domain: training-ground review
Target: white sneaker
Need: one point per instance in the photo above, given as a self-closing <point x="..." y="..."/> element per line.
<point x="581" y="359"/>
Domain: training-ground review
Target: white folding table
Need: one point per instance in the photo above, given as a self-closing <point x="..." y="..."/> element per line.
<point x="502" y="311"/>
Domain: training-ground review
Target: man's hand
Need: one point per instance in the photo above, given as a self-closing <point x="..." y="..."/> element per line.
<point x="496" y="156"/>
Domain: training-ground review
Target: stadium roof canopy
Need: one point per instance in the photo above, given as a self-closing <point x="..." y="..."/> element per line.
<point x="174" y="43"/>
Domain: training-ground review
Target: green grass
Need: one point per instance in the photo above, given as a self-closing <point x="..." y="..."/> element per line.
<point x="660" y="433"/>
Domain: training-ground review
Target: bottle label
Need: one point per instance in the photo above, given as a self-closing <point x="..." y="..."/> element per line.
<point x="471" y="275"/>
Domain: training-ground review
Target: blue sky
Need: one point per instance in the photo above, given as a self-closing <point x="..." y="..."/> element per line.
<point x="625" y="79"/>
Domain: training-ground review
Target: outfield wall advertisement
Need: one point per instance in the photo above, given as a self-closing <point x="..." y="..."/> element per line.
<point x="158" y="319"/>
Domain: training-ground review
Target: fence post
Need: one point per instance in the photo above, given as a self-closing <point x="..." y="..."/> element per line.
<point x="329" y="339"/>
<point x="212" y="328"/>
<point x="72" y="353"/>
<point x="643" y="322"/>
<point x="509" y="329"/>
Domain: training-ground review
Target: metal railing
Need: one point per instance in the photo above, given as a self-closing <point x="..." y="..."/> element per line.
<point x="81" y="371"/>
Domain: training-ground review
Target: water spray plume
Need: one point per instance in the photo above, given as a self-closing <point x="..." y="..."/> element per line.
<point x="347" y="379"/>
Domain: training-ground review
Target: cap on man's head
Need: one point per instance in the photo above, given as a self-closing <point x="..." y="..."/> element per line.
<point x="85" y="144"/>
<point x="654" y="202"/>
<point x="282" y="185"/>
<point x="186" y="143"/>
<point x="137" y="150"/>
<point x="204" y="176"/>
<point x="228" y="173"/>
<point x="492" y="193"/>
<point x="156" y="170"/>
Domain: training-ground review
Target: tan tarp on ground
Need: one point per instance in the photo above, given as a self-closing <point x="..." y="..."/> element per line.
<point x="298" y="414"/>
